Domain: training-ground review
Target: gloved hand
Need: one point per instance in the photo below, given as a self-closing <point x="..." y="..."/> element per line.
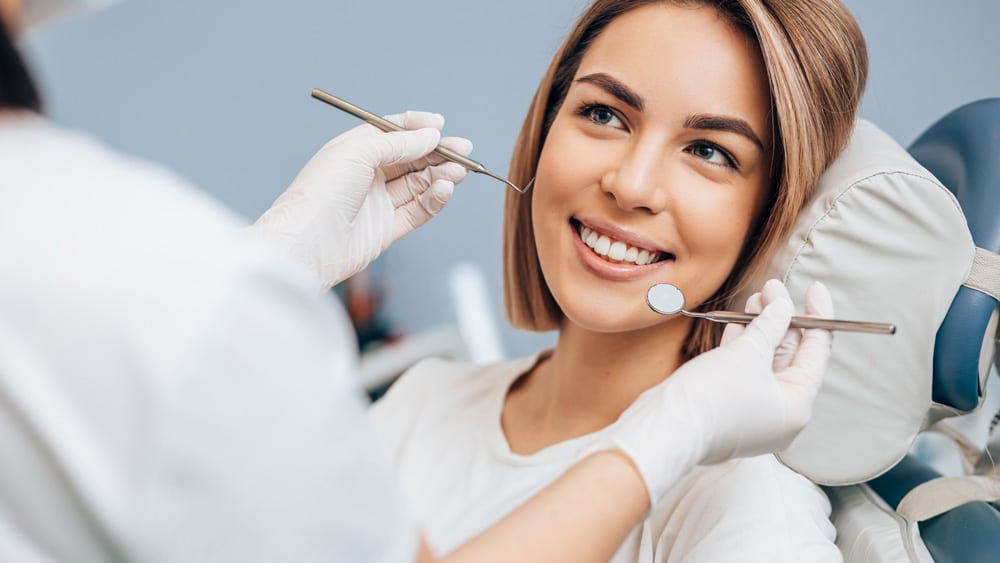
<point x="750" y="396"/>
<point x="360" y="193"/>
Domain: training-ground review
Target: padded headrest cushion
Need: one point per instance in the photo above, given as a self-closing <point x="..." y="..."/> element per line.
<point x="892" y="245"/>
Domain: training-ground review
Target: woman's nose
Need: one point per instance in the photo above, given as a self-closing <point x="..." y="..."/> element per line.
<point x="637" y="180"/>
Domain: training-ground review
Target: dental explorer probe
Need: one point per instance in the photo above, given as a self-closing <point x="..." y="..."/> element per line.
<point x="667" y="299"/>
<point x="387" y="126"/>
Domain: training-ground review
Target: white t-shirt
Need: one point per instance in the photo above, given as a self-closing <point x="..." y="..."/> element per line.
<point x="441" y="426"/>
<point x="169" y="389"/>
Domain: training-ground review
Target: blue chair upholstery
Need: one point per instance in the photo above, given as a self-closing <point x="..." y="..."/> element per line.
<point x="963" y="151"/>
<point x="969" y="533"/>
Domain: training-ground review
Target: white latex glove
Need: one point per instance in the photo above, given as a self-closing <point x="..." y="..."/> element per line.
<point x="750" y="396"/>
<point x="361" y="192"/>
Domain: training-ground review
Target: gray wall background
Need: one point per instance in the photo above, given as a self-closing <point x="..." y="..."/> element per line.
<point x="219" y="92"/>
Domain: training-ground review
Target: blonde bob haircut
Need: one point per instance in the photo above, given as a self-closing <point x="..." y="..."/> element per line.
<point x="817" y="64"/>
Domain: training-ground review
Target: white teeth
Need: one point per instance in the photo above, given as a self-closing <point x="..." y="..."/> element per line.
<point x="603" y="245"/>
<point x="616" y="250"/>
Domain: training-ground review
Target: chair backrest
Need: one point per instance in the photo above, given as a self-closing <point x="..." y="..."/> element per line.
<point x="963" y="151"/>
<point x="918" y="514"/>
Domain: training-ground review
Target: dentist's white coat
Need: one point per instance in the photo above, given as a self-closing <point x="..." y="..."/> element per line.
<point x="154" y="364"/>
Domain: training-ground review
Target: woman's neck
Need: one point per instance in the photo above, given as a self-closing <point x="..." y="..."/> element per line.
<point x="588" y="381"/>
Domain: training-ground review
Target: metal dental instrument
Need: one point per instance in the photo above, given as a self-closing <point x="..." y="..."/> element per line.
<point x="385" y="125"/>
<point x="667" y="299"/>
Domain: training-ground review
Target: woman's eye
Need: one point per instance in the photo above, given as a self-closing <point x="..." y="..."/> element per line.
<point x="713" y="154"/>
<point x="602" y="115"/>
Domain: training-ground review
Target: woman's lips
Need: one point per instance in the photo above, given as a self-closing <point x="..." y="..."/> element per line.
<point x="614" y="232"/>
<point x="617" y="251"/>
<point x="612" y="258"/>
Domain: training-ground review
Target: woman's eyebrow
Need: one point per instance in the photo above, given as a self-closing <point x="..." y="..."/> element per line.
<point x="614" y="87"/>
<point x="724" y="123"/>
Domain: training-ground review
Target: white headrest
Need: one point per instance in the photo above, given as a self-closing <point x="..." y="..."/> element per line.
<point x="893" y="246"/>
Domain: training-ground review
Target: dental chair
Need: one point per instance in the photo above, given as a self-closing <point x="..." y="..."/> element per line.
<point x="912" y="239"/>
<point x="963" y="151"/>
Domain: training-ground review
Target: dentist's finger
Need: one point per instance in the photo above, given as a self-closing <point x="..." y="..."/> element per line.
<point x="765" y="332"/>
<point x="732" y="330"/>
<point x="389" y="149"/>
<point x="406" y="188"/>
<point x="458" y="144"/>
<point x="409" y="120"/>
<point x="422" y="209"/>
<point x="814" y="350"/>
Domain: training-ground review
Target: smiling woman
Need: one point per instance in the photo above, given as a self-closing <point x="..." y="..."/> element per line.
<point x="812" y="61"/>
<point x="670" y="141"/>
<point x="679" y="169"/>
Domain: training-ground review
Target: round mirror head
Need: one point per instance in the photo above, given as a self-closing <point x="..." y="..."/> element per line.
<point x="665" y="299"/>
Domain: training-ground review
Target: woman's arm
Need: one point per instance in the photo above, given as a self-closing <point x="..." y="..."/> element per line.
<point x="585" y="515"/>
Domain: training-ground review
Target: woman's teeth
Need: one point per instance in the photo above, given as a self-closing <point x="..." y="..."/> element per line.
<point x="617" y="251"/>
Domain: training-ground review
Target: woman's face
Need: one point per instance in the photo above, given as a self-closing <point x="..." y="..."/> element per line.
<point x="655" y="166"/>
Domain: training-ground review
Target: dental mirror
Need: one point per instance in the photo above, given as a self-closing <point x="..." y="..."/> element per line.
<point x="668" y="299"/>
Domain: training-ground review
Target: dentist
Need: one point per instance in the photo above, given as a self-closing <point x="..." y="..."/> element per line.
<point x="171" y="389"/>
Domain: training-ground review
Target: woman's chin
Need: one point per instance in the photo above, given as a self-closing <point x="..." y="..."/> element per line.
<point x="613" y="321"/>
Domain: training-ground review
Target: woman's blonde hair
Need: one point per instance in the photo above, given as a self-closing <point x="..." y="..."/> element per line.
<point x="817" y="64"/>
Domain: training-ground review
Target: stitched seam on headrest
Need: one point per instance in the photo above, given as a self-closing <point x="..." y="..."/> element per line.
<point x="808" y="237"/>
<point x="985" y="274"/>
